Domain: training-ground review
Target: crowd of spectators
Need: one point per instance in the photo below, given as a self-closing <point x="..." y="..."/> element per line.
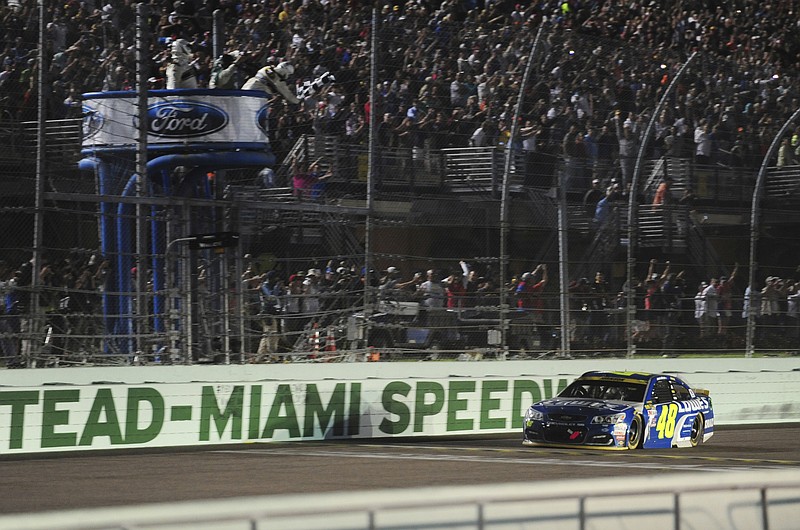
<point x="449" y="72"/>
<point x="285" y="310"/>
<point x="670" y="314"/>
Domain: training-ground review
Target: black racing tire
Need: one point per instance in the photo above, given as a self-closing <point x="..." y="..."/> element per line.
<point x="636" y="432"/>
<point x="698" y="428"/>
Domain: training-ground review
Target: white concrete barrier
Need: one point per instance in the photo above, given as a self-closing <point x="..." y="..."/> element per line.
<point x="69" y="409"/>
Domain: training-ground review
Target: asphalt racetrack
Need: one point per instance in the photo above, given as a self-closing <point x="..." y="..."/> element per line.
<point x="111" y="479"/>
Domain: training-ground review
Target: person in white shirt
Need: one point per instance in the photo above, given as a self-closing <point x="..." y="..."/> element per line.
<point x="273" y="81"/>
<point x="711" y="313"/>
<point x="702" y="140"/>
<point x="311" y="291"/>
<point x="700" y="306"/>
<point x="181" y="72"/>
<point x="432" y="291"/>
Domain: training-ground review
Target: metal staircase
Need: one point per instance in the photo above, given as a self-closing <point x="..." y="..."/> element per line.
<point x="251" y="212"/>
<point x="62" y="139"/>
<point x="783" y="182"/>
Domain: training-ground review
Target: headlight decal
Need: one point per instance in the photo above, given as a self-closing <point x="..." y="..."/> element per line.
<point x="533" y="415"/>
<point x="609" y="419"/>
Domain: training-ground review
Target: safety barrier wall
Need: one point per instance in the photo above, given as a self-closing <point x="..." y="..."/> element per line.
<point x="736" y="500"/>
<point x="52" y="410"/>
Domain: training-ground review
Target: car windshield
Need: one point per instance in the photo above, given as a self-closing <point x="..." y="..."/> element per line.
<point x="605" y="389"/>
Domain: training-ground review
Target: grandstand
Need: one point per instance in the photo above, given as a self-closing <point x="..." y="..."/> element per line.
<point x="454" y="132"/>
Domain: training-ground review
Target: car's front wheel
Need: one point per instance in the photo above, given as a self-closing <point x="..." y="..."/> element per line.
<point x="698" y="429"/>
<point x="635" y="432"/>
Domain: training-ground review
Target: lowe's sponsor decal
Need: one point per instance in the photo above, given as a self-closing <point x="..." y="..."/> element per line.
<point x="693" y="405"/>
<point x="161" y="415"/>
<point x="185" y="119"/>
<point x="585" y="403"/>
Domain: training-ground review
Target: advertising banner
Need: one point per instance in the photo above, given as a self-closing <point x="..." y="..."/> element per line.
<point x="176" y="116"/>
<point x="92" y="417"/>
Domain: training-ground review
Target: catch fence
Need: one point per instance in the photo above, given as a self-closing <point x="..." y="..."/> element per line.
<point x="435" y="223"/>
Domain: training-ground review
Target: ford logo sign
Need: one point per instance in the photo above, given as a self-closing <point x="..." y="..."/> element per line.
<point x="92" y="121"/>
<point x="184" y="119"/>
<point x="262" y="119"/>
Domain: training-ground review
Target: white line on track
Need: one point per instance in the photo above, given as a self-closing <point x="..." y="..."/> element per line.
<point x="670" y="466"/>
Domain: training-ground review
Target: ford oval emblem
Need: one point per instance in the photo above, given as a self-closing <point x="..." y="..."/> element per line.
<point x="262" y="119"/>
<point x="184" y="119"/>
<point x="92" y="121"/>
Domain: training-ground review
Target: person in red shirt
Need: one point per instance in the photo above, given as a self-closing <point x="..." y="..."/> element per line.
<point x="662" y="195"/>
<point x="528" y="290"/>
<point x="725" y="294"/>
<point x="653" y="301"/>
<point x="529" y="299"/>
<point x="456" y="290"/>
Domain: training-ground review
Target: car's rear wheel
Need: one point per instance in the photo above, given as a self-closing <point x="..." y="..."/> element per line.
<point x="698" y="428"/>
<point x="635" y="432"/>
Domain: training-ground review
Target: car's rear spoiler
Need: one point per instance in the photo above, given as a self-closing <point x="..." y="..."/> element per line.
<point x="701" y="392"/>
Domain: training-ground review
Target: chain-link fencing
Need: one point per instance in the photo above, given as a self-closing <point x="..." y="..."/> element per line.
<point x="413" y="210"/>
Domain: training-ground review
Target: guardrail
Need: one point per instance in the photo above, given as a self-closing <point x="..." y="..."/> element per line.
<point x="766" y="500"/>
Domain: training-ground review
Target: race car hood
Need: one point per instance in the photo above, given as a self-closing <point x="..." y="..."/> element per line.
<point x="582" y="406"/>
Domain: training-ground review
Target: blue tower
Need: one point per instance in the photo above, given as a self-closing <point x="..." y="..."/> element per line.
<point x="191" y="134"/>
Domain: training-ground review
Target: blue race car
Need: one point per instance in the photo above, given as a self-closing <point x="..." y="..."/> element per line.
<point x="622" y="410"/>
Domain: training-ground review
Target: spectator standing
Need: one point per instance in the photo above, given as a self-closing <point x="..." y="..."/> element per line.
<point x="751" y="303"/>
<point x="456" y="288"/>
<point x="473" y="284"/>
<point x="485" y="135"/>
<point x="628" y="148"/>
<point x="653" y="298"/>
<point x="592" y="148"/>
<point x="600" y="302"/>
<point x="291" y="305"/>
<point x="9" y="345"/>
<point x="15" y="308"/>
<point x="663" y="195"/>
<point x="785" y="154"/>
<point x="529" y="299"/>
<point x="671" y="295"/>
<point x="431" y="291"/>
<point x="385" y="131"/>
<point x="605" y="208"/>
<point x="308" y="182"/>
<point x="700" y="308"/>
<point x="725" y="292"/>
<point x="387" y="290"/>
<point x="607" y="146"/>
<point x="271" y="289"/>
<point x="702" y="141"/>
<point x="181" y="72"/>
<point x="459" y="91"/>
<point x="301" y="180"/>
<point x="223" y="72"/>
<point x="311" y="296"/>
<point x="592" y="197"/>
<point x="574" y="153"/>
<point x="530" y="138"/>
<point x="579" y="300"/>
<point x="770" y="301"/>
<point x="318" y="180"/>
<point x="711" y="313"/>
